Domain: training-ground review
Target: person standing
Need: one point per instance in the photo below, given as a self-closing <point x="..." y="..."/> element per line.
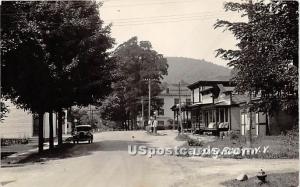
<point x="150" y="123"/>
<point x="155" y="125"/>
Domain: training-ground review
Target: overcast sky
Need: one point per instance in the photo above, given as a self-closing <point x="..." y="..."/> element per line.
<point x="182" y="28"/>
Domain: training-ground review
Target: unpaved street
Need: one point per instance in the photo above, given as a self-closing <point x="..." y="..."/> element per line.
<point x="106" y="163"/>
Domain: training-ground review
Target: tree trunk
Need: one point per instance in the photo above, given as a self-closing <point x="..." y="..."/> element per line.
<point x="51" y="142"/>
<point x="41" y="132"/>
<point x="59" y="126"/>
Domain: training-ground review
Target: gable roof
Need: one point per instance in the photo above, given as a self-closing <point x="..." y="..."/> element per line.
<point x="208" y="83"/>
<point x="238" y="99"/>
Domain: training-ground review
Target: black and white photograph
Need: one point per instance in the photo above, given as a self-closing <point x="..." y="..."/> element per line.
<point x="149" y="93"/>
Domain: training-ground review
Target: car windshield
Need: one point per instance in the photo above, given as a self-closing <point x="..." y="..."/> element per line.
<point x="83" y="128"/>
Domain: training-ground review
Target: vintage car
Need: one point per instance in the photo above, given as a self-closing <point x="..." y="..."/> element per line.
<point x="83" y="133"/>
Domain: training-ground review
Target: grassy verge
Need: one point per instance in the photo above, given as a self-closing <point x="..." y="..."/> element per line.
<point x="273" y="180"/>
<point x="270" y="147"/>
<point x="182" y="137"/>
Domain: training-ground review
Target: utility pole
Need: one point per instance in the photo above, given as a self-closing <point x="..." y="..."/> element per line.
<point x="249" y="131"/>
<point x="180" y="119"/>
<point x="149" y="104"/>
<point x="142" y="101"/>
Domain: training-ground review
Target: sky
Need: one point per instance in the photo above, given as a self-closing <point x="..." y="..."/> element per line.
<point x="180" y="28"/>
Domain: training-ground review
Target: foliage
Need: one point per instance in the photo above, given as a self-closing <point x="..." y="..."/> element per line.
<point x="195" y="142"/>
<point x="273" y="179"/>
<point x="3" y="111"/>
<point x="82" y="117"/>
<point x="12" y="141"/>
<point x="266" y="61"/>
<point x="54" y="54"/>
<point x="136" y="62"/>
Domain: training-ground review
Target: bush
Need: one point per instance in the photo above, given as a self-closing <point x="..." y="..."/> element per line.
<point x="233" y="135"/>
<point x="12" y="141"/>
<point x="194" y="142"/>
<point x="182" y="137"/>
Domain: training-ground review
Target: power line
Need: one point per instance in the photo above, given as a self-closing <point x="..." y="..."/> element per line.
<point x="148" y="4"/>
<point x="170" y="15"/>
<point x="166" y="21"/>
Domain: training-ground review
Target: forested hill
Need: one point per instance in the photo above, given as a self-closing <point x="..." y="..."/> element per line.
<point x="191" y="70"/>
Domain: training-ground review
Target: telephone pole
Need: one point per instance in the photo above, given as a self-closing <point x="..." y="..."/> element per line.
<point x="149" y="104"/>
<point x="179" y="111"/>
<point x="142" y="100"/>
<point x="249" y="131"/>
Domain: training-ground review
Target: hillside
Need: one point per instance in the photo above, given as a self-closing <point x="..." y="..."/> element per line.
<point x="191" y="70"/>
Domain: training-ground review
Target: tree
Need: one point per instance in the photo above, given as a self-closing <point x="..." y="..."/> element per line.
<point x="136" y="62"/>
<point x="266" y="61"/>
<point x="25" y="75"/>
<point x="77" y="44"/>
<point x="54" y="56"/>
<point x="3" y="111"/>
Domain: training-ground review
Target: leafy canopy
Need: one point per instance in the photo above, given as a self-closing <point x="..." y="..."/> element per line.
<point x="266" y="61"/>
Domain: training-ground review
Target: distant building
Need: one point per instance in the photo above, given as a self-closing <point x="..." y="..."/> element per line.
<point x="215" y="105"/>
<point x="169" y="97"/>
<point x="20" y="123"/>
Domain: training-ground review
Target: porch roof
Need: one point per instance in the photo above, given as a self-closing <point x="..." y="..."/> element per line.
<point x="239" y="99"/>
<point x="208" y="83"/>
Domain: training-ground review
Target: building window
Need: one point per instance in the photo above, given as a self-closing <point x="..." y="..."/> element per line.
<point x="176" y="101"/>
<point x="188" y="101"/>
<point x="221" y="115"/>
<point x="161" y="112"/>
<point x="161" y="101"/>
<point x="226" y="114"/>
<point x="243" y="118"/>
<point x="161" y="123"/>
<point x="200" y="117"/>
<point x="200" y="98"/>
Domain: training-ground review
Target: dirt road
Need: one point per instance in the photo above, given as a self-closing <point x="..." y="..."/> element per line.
<point x="106" y="163"/>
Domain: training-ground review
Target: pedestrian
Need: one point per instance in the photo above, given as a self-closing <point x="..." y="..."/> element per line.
<point x="150" y="123"/>
<point x="179" y="130"/>
<point x="155" y="125"/>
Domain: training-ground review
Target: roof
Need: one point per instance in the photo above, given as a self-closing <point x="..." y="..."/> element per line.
<point x="208" y="83"/>
<point x="84" y="126"/>
<point x="206" y="90"/>
<point x="225" y="89"/>
<point x="222" y="103"/>
<point x="238" y="99"/>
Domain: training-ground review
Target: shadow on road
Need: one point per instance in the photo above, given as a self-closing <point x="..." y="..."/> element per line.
<point x="69" y="150"/>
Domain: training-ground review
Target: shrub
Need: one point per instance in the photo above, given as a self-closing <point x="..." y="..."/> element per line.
<point x="233" y="135"/>
<point x="195" y="142"/>
<point x="12" y="141"/>
<point x="182" y="137"/>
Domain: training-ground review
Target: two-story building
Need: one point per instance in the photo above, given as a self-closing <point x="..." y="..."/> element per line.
<point x="20" y="123"/>
<point x="170" y="97"/>
<point x="215" y="105"/>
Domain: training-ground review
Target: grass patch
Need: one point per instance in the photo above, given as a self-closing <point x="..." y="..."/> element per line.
<point x="279" y="146"/>
<point x="195" y="142"/>
<point x="282" y="146"/>
<point x="190" y="141"/>
<point x="182" y="137"/>
<point x="273" y="180"/>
